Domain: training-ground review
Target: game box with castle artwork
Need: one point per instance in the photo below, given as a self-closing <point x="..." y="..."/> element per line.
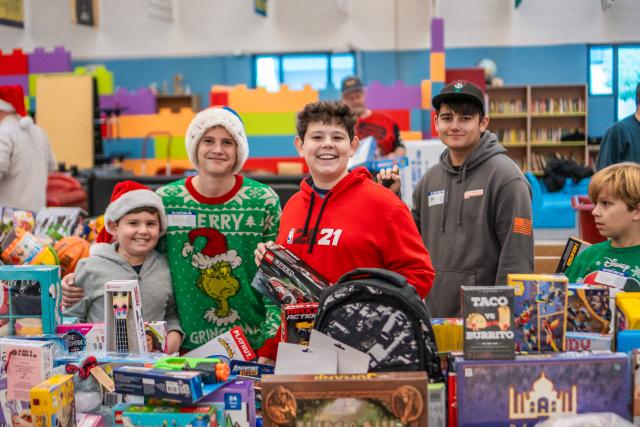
<point x="531" y="388"/>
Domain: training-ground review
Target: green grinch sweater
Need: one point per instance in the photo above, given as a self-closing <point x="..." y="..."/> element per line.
<point x="209" y="244"/>
<point x="624" y="262"/>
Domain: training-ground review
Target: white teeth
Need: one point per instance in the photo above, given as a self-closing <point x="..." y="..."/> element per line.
<point x="327" y="156"/>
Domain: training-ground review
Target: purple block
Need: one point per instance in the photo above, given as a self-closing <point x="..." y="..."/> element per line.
<point x="139" y="102"/>
<point x="239" y="400"/>
<point x="22" y="80"/>
<point x="394" y="97"/>
<point x="107" y="102"/>
<point x="58" y="61"/>
<point x="437" y="35"/>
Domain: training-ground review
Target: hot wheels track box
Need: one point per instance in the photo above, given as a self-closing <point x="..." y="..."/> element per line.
<point x="531" y="388"/>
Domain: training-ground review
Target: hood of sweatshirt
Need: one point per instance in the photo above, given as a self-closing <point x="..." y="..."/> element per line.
<point x="108" y="252"/>
<point x="487" y="148"/>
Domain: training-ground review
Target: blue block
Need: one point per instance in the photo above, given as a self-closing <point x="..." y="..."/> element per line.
<point x="425" y="122"/>
<point x="272" y="146"/>
<point x="436" y="87"/>
<point x="415" y="119"/>
<point x="329" y="94"/>
<point x="129" y="148"/>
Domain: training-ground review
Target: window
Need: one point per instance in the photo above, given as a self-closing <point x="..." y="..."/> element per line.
<point x="628" y="79"/>
<point x="320" y="70"/>
<point x="601" y="70"/>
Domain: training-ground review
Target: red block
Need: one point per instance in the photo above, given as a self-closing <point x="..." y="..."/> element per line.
<point x="218" y="98"/>
<point x="15" y="63"/>
<point x="402" y="118"/>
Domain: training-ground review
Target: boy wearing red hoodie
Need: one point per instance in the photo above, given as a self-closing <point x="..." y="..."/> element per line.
<point x="341" y="220"/>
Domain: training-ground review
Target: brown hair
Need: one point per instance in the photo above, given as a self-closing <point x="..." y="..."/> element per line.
<point x="148" y="209"/>
<point x="328" y="113"/>
<point x="622" y="180"/>
<point x="462" y="107"/>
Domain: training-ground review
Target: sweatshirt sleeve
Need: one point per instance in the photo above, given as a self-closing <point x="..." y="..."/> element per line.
<point x="82" y="278"/>
<point x="6" y="148"/>
<point x="403" y="250"/>
<point x="611" y="148"/>
<point x="514" y="229"/>
<point x="171" y="315"/>
<point x="417" y="202"/>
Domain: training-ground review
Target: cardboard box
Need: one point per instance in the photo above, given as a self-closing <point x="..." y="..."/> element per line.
<point x="487" y="313"/>
<point x="635" y="363"/>
<point x="141" y="415"/>
<point x="354" y="400"/>
<point x="53" y="402"/>
<point x="571" y="250"/>
<point x="628" y="310"/>
<point x="124" y="324"/>
<point x="84" y="336"/>
<point x="588" y="309"/>
<point x="156" y="336"/>
<point x="239" y="399"/>
<point x="586" y="341"/>
<point x="297" y="322"/>
<point x="286" y="279"/>
<point x="232" y="344"/>
<point x="533" y="387"/>
<point x="448" y="333"/>
<point x="540" y="303"/>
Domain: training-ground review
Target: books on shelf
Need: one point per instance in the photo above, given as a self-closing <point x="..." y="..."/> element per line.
<point x="511" y="136"/>
<point x="512" y="106"/>
<point x="558" y="105"/>
<point x="552" y="134"/>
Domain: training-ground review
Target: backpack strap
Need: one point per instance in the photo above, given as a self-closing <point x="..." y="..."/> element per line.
<point x="373" y="273"/>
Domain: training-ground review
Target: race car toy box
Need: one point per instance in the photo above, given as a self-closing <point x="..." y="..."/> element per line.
<point x="531" y="388"/>
<point x="540" y="309"/>
<point x="359" y="400"/>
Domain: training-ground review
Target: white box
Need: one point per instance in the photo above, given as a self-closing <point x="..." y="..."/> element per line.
<point x="129" y="326"/>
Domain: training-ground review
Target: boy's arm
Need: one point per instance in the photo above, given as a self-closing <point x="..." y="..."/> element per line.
<point x="514" y="229"/>
<point x="6" y="148"/>
<point x="417" y="202"/>
<point x="82" y="277"/>
<point x="171" y="315"/>
<point x="611" y="148"/>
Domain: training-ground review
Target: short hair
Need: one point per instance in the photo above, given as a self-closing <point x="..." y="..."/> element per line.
<point x="462" y="107"/>
<point x="148" y="209"/>
<point x="326" y="112"/>
<point x="622" y="180"/>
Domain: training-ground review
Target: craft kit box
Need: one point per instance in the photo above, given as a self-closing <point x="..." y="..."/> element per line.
<point x="239" y="399"/>
<point x="297" y="322"/>
<point x="123" y="317"/>
<point x="534" y="387"/>
<point x="588" y="308"/>
<point x="286" y="279"/>
<point x="487" y="313"/>
<point x="53" y="402"/>
<point x="398" y="398"/>
<point x="540" y="309"/>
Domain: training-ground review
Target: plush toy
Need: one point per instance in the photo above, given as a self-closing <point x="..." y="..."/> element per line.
<point x="88" y="390"/>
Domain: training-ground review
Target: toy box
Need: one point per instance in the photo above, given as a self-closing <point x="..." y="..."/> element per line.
<point x="123" y="317"/>
<point x="571" y="250"/>
<point x="587" y="341"/>
<point x="449" y="334"/>
<point x="250" y="370"/>
<point x="532" y="388"/>
<point x="232" y="344"/>
<point x="588" y="309"/>
<point x="540" y="307"/>
<point x="297" y="322"/>
<point x="239" y="399"/>
<point x="286" y="279"/>
<point x="356" y="400"/>
<point x="487" y="312"/>
<point x="628" y="310"/>
<point x="90" y="420"/>
<point x="30" y="297"/>
<point x="156" y="336"/>
<point x="140" y="415"/>
<point x="84" y="336"/>
<point x="53" y="402"/>
<point x="627" y="340"/>
<point x="58" y="222"/>
<point x="635" y="363"/>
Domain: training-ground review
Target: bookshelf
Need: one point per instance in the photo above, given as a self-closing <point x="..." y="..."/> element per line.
<point x="535" y="122"/>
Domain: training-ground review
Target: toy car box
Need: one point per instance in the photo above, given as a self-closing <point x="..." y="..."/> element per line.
<point x="286" y="279"/>
<point x="398" y="398"/>
<point x="540" y="309"/>
<point x="534" y="387"/>
<point x="588" y="308"/>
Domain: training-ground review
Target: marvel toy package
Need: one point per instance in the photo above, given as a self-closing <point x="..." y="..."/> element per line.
<point x="540" y="308"/>
<point x="359" y="400"/>
<point x="487" y="312"/>
<point x="534" y="387"/>
<point x="588" y="309"/>
<point x="286" y="279"/>
<point x="297" y="322"/>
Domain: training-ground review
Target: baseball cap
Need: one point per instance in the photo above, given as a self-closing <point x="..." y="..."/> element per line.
<point x="351" y="84"/>
<point x="459" y="90"/>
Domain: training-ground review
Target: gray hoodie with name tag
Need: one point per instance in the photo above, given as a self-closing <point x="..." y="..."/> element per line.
<point x="476" y="222"/>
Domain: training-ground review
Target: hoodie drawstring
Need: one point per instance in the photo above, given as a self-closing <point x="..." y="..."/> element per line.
<point x="305" y="230"/>
<point x="462" y="189"/>
<point x="447" y="189"/>
<point x="312" y="241"/>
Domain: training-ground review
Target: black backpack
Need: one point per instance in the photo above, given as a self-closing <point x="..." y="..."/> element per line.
<point x="376" y="311"/>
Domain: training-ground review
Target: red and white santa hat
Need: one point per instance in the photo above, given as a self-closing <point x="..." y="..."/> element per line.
<point x="214" y="251"/>
<point x="127" y="196"/>
<point x="12" y="101"/>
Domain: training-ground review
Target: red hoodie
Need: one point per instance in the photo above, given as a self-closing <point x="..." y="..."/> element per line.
<point x="357" y="224"/>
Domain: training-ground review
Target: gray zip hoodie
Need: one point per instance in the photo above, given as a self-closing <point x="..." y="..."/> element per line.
<point x="475" y="221"/>
<point x="105" y="264"/>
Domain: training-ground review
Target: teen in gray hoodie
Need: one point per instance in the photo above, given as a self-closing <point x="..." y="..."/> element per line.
<point x="473" y="208"/>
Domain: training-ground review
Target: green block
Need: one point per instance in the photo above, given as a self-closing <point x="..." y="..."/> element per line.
<point x="269" y="123"/>
<point x="33" y="78"/>
<point x="178" y="149"/>
<point x="104" y="78"/>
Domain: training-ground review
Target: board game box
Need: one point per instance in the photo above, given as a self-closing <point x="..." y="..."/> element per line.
<point x="588" y="308"/>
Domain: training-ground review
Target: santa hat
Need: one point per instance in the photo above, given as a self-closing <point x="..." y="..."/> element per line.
<point x="12" y="101"/>
<point x="127" y="196"/>
<point x="214" y="251"/>
<point x="212" y="117"/>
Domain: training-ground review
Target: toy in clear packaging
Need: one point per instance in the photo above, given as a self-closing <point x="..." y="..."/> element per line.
<point x="212" y="369"/>
<point x="123" y="317"/>
<point x="58" y="222"/>
<point x="53" y="403"/>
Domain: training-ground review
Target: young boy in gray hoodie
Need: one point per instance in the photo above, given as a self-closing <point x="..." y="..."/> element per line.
<point x="473" y="208"/>
<point x="135" y="219"/>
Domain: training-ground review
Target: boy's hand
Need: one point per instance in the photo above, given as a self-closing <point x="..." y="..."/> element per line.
<point x="71" y="293"/>
<point x="390" y="178"/>
<point x="174" y="339"/>
<point x="266" y="361"/>
<point x="261" y="250"/>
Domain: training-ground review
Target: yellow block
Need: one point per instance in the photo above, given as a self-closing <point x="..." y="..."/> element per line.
<point x="437" y="66"/>
<point x="166" y="120"/>
<point x="425" y="95"/>
<point x="410" y="135"/>
<point x="178" y="150"/>
<point x="628" y="304"/>
<point x="150" y="166"/>
<point x="245" y="100"/>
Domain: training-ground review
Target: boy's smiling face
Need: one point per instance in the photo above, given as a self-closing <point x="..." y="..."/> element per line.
<point x="326" y="148"/>
<point x="613" y="218"/>
<point x="137" y="233"/>
<point x="217" y="152"/>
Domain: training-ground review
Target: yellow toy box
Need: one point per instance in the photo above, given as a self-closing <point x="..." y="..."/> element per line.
<point x="628" y="310"/>
<point x="53" y="403"/>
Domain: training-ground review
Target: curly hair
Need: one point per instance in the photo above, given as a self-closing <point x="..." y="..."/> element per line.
<point x="328" y="113"/>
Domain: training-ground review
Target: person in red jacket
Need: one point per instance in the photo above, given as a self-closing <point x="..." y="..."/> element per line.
<point x="341" y="220"/>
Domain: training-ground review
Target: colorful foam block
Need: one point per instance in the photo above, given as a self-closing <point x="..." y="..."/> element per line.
<point x="22" y="80"/>
<point x="426" y="94"/>
<point x="437" y="67"/>
<point x="329" y="94"/>
<point x="415" y="119"/>
<point x="245" y="100"/>
<point x="104" y="77"/>
<point x="140" y="125"/>
<point x="178" y="150"/>
<point x="411" y="135"/>
<point x="130" y="148"/>
<point x="269" y="123"/>
<point x="394" y="97"/>
<point x="56" y="61"/>
<point x="437" y="35"/>
<point x="272" y="146"/>
<point x="141" y="101"/>
<point x="401" y="117"/>
<point x="15" y="63"/>
<point x="152" y="166"/>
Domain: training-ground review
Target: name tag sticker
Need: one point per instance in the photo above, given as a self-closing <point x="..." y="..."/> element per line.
<point x="436" y="197"/>
<point x="185" y="219"/>
<point x="473" y="193"/>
